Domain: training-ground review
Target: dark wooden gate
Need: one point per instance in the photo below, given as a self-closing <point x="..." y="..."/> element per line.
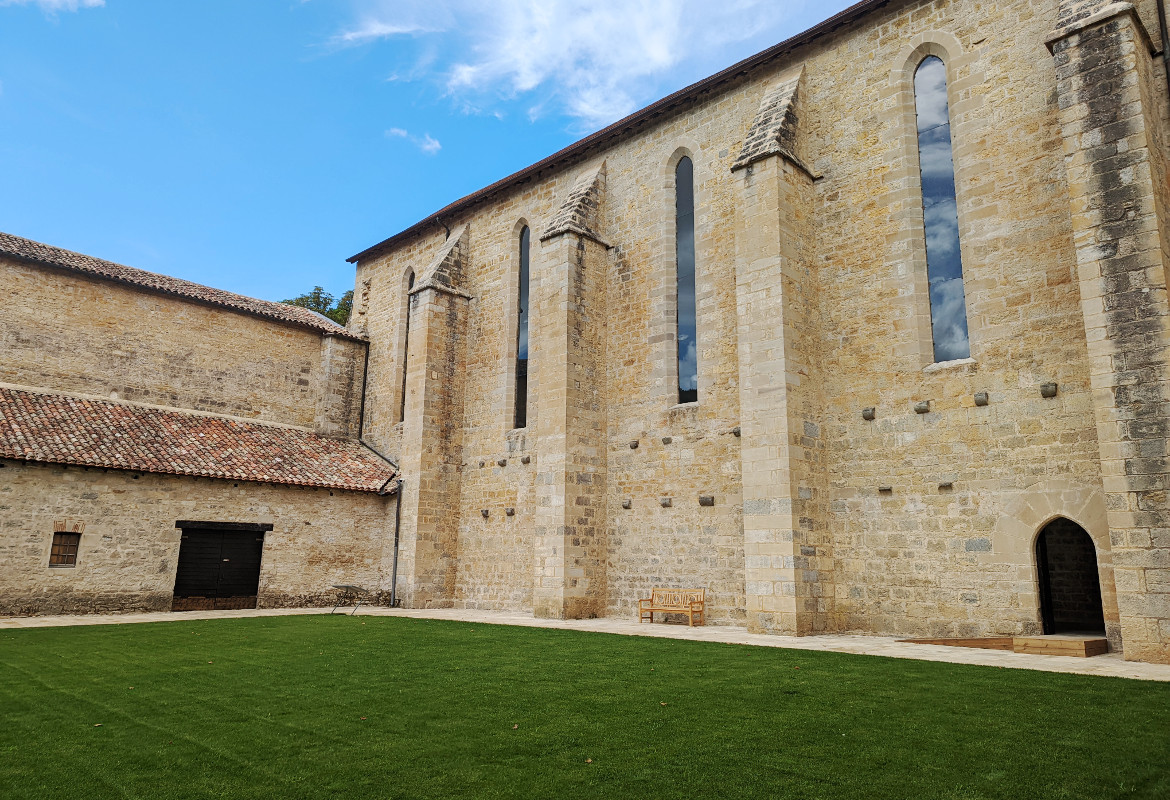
<point x="1070" y="588"/>
<point x="219" y="566"/>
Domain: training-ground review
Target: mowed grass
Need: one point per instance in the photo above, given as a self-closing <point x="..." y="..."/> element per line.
<point x="375" y="707"/>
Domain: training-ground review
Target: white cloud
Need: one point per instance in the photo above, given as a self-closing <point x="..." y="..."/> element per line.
<point x="372" y="29"/>
<point x="598" y="60"/>
<point x="53" y="6"/>
<point x="427" y="143"/>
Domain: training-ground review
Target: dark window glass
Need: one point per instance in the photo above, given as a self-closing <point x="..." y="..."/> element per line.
<point x="521" y="419"/>
<point x="948" y="308"/>
<point x="64" y="552"/>
<point x="405" y="348"/>
<point x="684" y="214"/>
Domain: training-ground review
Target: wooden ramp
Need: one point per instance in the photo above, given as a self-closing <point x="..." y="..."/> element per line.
<point x="1059" y="644"/>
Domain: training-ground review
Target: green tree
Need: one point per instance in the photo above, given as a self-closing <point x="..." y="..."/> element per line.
<point x="322" y="302"/>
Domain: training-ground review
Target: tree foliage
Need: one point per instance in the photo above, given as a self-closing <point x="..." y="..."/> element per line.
<point x="324" y="303"/>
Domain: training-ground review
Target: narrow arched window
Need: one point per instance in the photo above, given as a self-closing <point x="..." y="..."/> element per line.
<point x="405" y="347"/>
<point x="521" y="416"/>
<point x="684" y="215"/>
<point x="944" y="267"/>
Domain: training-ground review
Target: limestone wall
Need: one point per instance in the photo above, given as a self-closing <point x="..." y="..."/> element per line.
<point x="60" y="331"/>
<point x="919" y="559"/>
<point x="129" y="544"/>
<point x="947" y="548"/>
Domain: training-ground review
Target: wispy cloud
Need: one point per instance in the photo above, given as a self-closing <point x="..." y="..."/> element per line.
<point x="373" y="29"/>
<point x="427" y="143"/>
<point x="53" y="6"/>
<point x="593" y="60"/>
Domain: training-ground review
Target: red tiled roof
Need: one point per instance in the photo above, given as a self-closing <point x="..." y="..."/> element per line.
<point x="61" y="429"/>
<point x="37" y="253"/>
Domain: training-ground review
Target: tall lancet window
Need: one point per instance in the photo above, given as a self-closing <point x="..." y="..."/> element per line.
<point x="944" y="268"/>
<point x="405" y="347"/>
<point x="521" y="418"/>
<point x="684" y="215"/>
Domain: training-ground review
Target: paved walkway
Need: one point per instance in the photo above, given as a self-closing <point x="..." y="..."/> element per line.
<point x="1110" y="664"/>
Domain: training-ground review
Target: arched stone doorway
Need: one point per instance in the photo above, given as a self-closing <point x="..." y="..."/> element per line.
<point x="1070" y="588"/>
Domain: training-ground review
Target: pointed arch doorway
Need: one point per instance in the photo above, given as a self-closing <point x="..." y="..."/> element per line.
<point x="1070" y="586"/>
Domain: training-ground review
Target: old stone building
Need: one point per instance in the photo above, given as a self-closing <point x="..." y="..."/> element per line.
<point x="865" y="333"/>
<point x="165" y="445"/>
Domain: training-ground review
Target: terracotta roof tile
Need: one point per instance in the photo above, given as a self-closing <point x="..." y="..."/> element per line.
<point x="37" y="253"/>
<point x="61" y="429"/>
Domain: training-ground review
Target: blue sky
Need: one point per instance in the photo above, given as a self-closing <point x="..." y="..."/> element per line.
<point x="254" y="145"/>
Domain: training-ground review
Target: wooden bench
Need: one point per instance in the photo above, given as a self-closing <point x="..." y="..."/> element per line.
<point x="691" y="602"/>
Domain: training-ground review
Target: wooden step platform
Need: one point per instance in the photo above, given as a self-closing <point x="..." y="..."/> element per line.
<point x="1059" y="644"/>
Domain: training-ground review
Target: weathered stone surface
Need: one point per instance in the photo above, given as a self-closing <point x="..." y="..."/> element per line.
<point x="774" y="131"/>
<point x="580" y="213"/>
<point x="83" y="335"/>
<point x="1112" y="106"/>
<point x="129" y="545"/>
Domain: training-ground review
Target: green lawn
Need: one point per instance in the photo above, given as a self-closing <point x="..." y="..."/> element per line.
<point x="370" y="707"/>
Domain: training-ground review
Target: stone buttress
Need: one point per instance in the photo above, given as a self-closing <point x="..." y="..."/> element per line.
<point x="788" y="557"/>
<point x="431" y="450"/>
<point x="1111" y="92"/>
<point x="569" y="542"/>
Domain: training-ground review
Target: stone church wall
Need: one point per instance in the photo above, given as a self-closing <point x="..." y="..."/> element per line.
<point x="923" y="558"/>
<point x="920" y="559"/>
<point x="69" y="333"/>
<point x="918" y="524"/>
<point x="129" y="544"/>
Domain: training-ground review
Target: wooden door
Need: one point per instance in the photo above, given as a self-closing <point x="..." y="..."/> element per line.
<point x="217" y="569"/>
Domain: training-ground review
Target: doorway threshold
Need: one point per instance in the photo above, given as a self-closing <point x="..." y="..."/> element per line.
<point x="1056" y="644"/>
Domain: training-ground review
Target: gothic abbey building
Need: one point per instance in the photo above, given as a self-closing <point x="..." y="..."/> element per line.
<point x="867" y="333"/>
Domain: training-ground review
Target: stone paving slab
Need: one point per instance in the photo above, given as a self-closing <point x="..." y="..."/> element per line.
<point x="1110" y="664"/>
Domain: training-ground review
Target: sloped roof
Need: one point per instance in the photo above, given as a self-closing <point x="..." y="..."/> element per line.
<point x="62" y="429"/>
<point x="38" y="253"/>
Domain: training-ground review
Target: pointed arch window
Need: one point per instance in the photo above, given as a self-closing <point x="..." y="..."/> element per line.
<point x="520" y="419"/>
<point x="944" y="266"/>
<point x="684" y="215"/>
<point x="405" y="347"/>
